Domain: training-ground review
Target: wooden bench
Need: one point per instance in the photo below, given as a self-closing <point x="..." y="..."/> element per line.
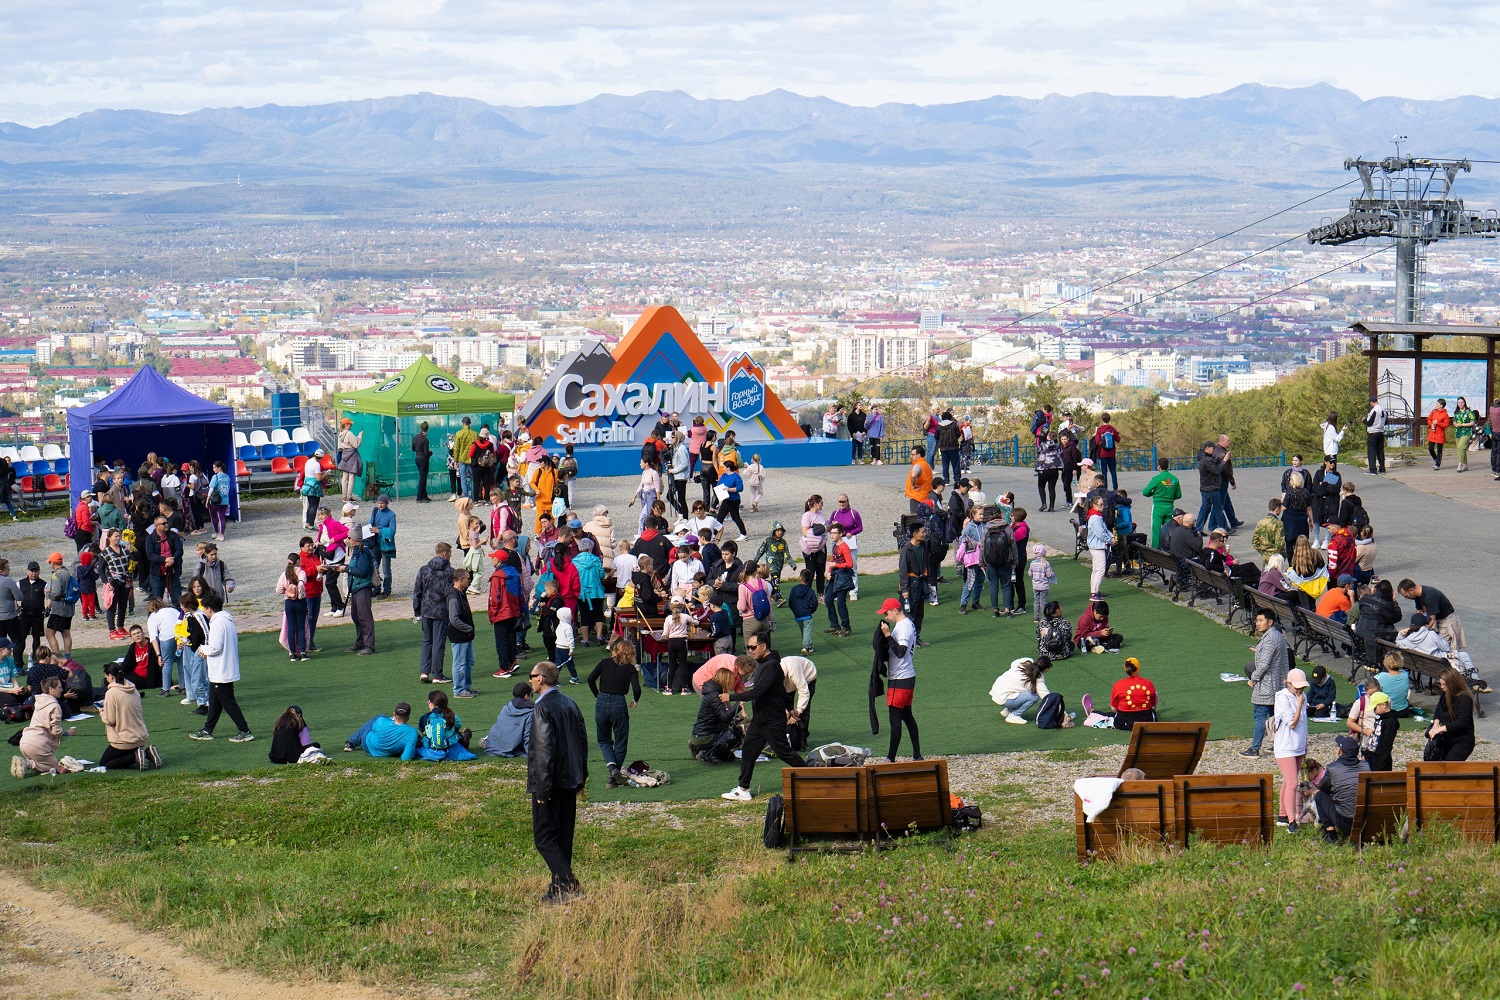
<point x="908" y="796"/>
<point x="1217" y="585"/>
<point x="832" y="801"/>
<point x="1465" y="794"/>
<point x="1312" y="629"/>
<point x="1224" y="808"/>
<point x="1378" y="808"/>
<point x="1165" y="749"/>
<point x="1284" y="611"/>
<point x="1151" y="561"/>
<point x="1140" y="810"/>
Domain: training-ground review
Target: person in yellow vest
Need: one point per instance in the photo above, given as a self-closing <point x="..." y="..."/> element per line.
<point x="463" y="443"/>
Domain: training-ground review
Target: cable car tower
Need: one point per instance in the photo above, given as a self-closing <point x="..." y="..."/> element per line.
<point x="1410" y="200"/>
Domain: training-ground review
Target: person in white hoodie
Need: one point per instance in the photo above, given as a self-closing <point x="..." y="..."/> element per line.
<point x="1332" y="433"/>
<point x="1020" y="687"/>
<point x="222" y="650"/>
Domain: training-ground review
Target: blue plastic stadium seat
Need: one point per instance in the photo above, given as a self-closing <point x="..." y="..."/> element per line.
<point x="270" y="451"/>
<point x="22" y="468"/>
<point x="41" y="467"/>
<point x="62" y="466"/>
<point x="308" y="447"/>
<point x="249" y="453"/>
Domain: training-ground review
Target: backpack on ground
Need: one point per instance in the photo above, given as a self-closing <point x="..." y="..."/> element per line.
<point x="967" y="816"/>
<point x="999" y="546"/>
<point x="1051" y="712"/>
<point x="643" y="775"/>
<point x="773" y="835"/>
<point x="760" y="603"/>
<point x="837" y="755"/>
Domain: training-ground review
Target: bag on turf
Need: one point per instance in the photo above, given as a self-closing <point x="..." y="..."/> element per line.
<point x="967" y="816"/>
<point x="773" y="835"/>
<point x="837" y="755"/>
<point x="1051" y="712"/>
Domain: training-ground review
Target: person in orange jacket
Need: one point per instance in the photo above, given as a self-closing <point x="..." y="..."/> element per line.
<point x="1438" y="422"/>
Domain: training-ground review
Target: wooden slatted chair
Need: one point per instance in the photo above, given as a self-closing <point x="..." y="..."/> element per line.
<point x="1225" y="808"/>
<point x="908" y="796"/>
<point x="1165" y="749"/>
<point x="1465" y="794"/>
<point x="1140" y="810"/>
<point x="1378" y="809"/>
<point x="828" y="801"/>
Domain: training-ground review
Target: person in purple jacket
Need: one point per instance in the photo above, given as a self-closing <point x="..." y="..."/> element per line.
<point x="846" y="517"/>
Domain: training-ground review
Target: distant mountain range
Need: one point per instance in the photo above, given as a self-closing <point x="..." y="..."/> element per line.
<point x="1055" y="150"/>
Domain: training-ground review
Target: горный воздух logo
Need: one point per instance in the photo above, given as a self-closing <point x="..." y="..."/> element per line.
<point x="744" y="388"/>
<point x="441" y="384"/>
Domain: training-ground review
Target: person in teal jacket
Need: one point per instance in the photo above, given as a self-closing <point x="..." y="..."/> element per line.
<point x="383" y="520"/>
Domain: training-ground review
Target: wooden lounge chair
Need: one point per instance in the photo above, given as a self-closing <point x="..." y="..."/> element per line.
<point x="831" y="801"/>
<point x="1378" y="809"/>
<point x="1224" y="808"/>
<point x="1165" y="749"/>
<point x="908" y="796"/>
<point x="1144" y="810"/>
<point x="1465" y="794"/>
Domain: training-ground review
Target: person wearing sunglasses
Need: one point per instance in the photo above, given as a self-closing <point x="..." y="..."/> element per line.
<point x="557" y="771"/>
<point x="773" y="714"/>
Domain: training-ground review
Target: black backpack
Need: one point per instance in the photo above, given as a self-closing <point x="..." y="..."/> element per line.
<point x="1049" y="714"/>
<point x="773" y="836"/>
<point x="999" y="547"/>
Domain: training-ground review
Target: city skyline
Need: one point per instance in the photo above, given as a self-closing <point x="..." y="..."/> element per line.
<point x="192" y="54"/>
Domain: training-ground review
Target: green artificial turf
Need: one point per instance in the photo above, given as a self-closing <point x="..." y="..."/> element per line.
<point x="1180" y="650"/>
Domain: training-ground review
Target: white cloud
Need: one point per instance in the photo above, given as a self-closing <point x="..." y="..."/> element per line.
<point x="62" y="57"/>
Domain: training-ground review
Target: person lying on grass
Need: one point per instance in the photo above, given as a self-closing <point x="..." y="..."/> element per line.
<point x="387" y="736"/>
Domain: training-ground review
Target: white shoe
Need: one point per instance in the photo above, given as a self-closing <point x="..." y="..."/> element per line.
<point x="737" y="794"/>
<point x="1014" y="718"/>
<point x="854" y="595"/>
<point x="187" y="701"/>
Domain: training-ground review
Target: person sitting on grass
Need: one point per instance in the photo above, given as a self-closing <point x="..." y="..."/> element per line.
<point x="292" y="742"/>
<point x="1094" y="634"/>
<point x="510" y="736"/>
<point x="719" y="727"/>
<point x="1020" y="687"/>
<point x="1338" y="789"/>
<point x="441" y="731"/>
<point x="387" y="736"/>
<point x="1322" y="694"/>
<point x="42" y="734"/>
<point x="1131" y="700"/>
<point x="1054" y="633"/>
<point x="124" y="724"/>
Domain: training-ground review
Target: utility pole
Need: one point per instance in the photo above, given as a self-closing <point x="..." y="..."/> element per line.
<point x="1410" y="200"/>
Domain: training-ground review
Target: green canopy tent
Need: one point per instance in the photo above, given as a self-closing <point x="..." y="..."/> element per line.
<point x="389" y="414"/>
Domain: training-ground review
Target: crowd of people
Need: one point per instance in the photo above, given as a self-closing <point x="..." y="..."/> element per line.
<point x="705" y="597"/>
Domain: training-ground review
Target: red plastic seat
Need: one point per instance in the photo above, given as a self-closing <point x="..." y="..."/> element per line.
<point x="53" y="483"/>
<point x="241" y="469"/>
<point x="327" y="463"/>
<point x="281" y="467"/>
<point x="26" y="484"/>
<point x="298" y="462"/>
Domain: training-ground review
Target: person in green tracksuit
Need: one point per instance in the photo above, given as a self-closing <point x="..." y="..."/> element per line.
<point x="1165" y="490"/>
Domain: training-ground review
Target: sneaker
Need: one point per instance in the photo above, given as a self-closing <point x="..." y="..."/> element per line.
<point x="1291" y="828"/>
<point x="1014" y="718"/>
<point x="847" y="633"/>
<point x="997" y="613"/>
<point x="442" y="680"/>
<point x="351" y="649"/>
<point x="187" y="701"/>
<point x="142" y="762"/>
<point x="922" y="644"/>
<point x="154" y="754"/>
<point x="164" y="694"/>
<point x="666" y="692"/>
<point x="424" y="679"/>
<point x="349" y="746"/>
<point x="1249" y="753"/>
<point x="502" y="674"/>
<point x="200" y="710"/>
<point x="243" y="736"/>
<point x="1088" y="704"/>
<point x="1281" y="821"/>
<point x="574" y="680"/>
<point x="472" y="694"/>
<point x="737" y="794"/>
<point x="806" y="651"/>
<point x="202" y="734"/>
<point x="831" y="631"/>
<point x="20" y="768"/>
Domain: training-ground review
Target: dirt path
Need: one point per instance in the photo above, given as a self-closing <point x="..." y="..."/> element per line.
<point x="50" y="948"/>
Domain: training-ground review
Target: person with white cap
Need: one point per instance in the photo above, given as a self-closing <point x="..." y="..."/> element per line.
<point x="360" y="566"/>
<point x="1289" y="724"/>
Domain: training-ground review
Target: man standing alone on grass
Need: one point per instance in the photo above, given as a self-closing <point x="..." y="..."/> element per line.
<point x="557" y="770"/>
<point x="1266" y="675"/>
<point x="429" y="608"/>
<point x="222" y="649"/>
<point x="461" y="634"/>
<point x="768" y="727"/>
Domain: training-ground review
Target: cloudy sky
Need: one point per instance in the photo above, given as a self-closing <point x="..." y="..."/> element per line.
<point x="62" y="57"/>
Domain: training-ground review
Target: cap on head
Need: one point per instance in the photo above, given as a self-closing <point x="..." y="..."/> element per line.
<point x="890" y="604"/>
<point x="1379" y="698"/>
<point x="55" y="559"/>
<point x="1296" y="678"/>
<point x="1347" y="744"/>
<point x="1345" y="579"/>
<point x="403" y="709"/>
<point x="34" y="565"/>
<point x="318" y="453"/>
<point x="383" y="498"/>
<point x="1417" y="619"/>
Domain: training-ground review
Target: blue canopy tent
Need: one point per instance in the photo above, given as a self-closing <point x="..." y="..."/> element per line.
<point x="148" y="414"/>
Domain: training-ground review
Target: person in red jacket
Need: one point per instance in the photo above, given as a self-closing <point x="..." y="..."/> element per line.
<point x="1341" y="553"/>
<point x="1133" y="698"/>
<point x="1102" y="450"/>
<point x="83" y="517"/>
<point x="1438" y="422"/>
<point x="567" y="579"/>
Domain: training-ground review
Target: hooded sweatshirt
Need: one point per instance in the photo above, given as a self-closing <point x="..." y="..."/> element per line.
<point x="1341" y="781"/>
<point x="510" y="736"/>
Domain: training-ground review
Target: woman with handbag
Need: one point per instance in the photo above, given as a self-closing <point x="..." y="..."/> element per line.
<point x="350" y="465"/>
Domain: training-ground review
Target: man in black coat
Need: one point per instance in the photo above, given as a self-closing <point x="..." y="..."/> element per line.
<point x="421" y="450"/>
<point x="773" y="714"/>
<point x="557" y="771"/>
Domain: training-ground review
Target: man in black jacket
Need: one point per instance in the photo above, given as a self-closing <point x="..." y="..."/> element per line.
<point x="1212" y="467"/>
<point x="912" y="577"/>
<point x="429" y="605"/>
<point x="557" y="771"/>
<point x="421" y="450"/>
<point x="773" y="714"/>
